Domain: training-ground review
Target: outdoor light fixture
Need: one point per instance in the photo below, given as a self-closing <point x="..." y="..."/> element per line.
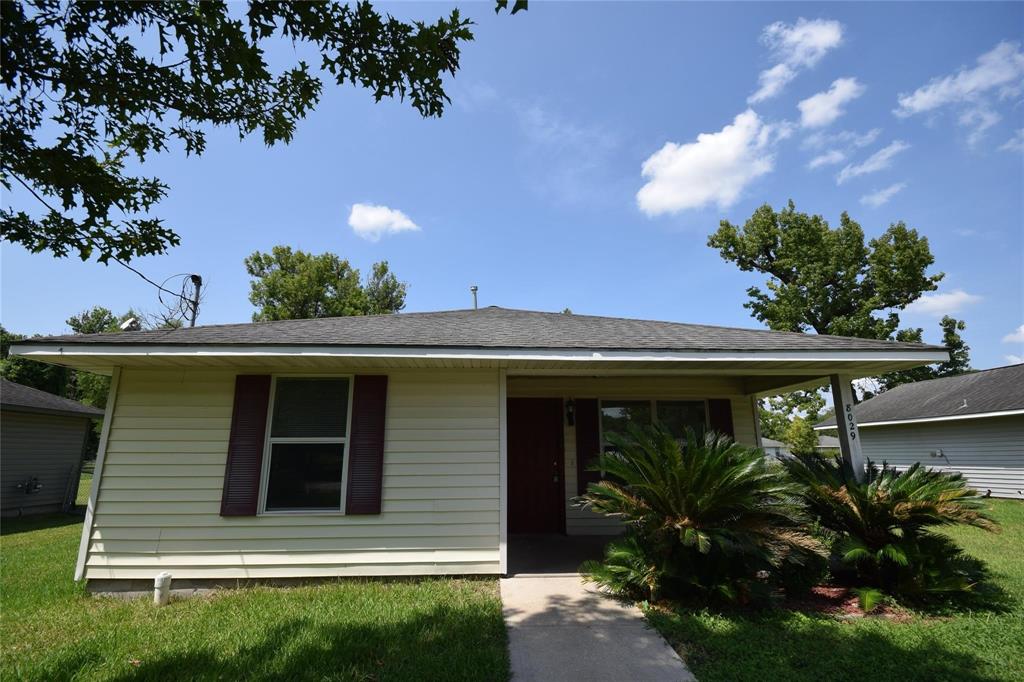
<point x="570" y="412"/>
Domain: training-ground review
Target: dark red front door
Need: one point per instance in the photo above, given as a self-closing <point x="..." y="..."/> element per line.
<point x="536" y="491"/>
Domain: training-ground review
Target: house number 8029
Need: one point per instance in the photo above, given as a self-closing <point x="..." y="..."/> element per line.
<point x="851" y="423"/>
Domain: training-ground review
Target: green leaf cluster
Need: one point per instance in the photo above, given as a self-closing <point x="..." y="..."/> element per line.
<point x="959" y="356"/>
<point x="90" y="86"/>
<point x="827" y="279"/>
<point x="709" y="518"/>
<point x="886" y="529"/>
<point x="800" y="437"/>
<point x="293" y="284"/>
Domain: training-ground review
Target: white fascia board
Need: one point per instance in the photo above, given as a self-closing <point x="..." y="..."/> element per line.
<point x="438" y="353"/>
<point x="922" y="420"/>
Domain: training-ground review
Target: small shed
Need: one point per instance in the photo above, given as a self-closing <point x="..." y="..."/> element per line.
<point x="42" y="438"/>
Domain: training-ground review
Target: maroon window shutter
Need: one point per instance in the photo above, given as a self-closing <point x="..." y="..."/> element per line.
<point x="245" y="446"/>
<point x="720" y="416"/>
<point x="366" y="445"/>
<point x="588" y="443"/>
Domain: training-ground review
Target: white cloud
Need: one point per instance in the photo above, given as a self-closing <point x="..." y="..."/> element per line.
<point x="825" y="107"/>
<point x="1002" y="67"/>
<point x="880" y="160"/>
<point x="1016" y="336"/>
<point x="1014" y="359"/>
<point x="847" y="139"/>
<point x="373" y="222"/>
<point x="714" y="169"/>
<point x="937" y="305"/>
<point x="1015" y="143"/>
<point x="796" y="47"/>
<point x="979" y="119"/>
<point x="829" y="158"/>
<point x="882" y="196"/>
<point x="568" y="160"/>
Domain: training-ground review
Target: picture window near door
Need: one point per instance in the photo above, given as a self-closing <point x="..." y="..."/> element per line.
<point x="675" y="415"/>
<point x="305" y="459"/>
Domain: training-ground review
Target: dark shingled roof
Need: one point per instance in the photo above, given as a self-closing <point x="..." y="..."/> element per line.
<point x="22" y="398"/>
<point x="491" y="327"/>
<point x="990" y="390"/>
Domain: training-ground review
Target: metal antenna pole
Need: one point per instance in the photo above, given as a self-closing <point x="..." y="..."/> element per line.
<point x="198" y="282"/>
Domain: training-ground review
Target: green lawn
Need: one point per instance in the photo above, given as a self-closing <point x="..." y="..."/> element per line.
<point x="782" y="645"/>
<point x="347" y="630"/>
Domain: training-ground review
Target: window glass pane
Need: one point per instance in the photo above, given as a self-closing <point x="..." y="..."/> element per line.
<point x="310" y="408"/>
<point x="616" y="415"/>
<point x="305" y="476"/>
<point x="676" y="415"/>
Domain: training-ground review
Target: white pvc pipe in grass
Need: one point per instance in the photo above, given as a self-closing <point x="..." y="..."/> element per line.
<point x="162" y="589"/>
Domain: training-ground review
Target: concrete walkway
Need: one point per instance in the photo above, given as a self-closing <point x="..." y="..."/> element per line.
<point x="563" y="630"/>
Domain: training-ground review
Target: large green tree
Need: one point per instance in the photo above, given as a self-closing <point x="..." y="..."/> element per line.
<point x="827" y="279"/>
<point x="89" y="86"/>
<point x="776" y="413"/>
<point x="800" y="437"/>
<point x="290" y="285"/>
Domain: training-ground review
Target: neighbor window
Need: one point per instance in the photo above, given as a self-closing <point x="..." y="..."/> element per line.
<point x="306" y="452"/>
<point x="674" y="415"/>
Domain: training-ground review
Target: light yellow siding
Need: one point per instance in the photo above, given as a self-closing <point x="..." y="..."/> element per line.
<point x="989" y="452"/>
<point x="583" y="522"/>
<point x="159" y="500"/>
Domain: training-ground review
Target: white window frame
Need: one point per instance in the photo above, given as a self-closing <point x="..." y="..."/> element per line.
<point x="654" y="410"/>
<point x="269" y="442"/>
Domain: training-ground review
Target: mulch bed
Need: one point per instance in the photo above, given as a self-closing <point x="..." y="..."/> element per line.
<point x="841" y="602"/>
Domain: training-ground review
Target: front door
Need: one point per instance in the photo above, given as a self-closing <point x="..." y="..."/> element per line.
<point x="536" y="490"/>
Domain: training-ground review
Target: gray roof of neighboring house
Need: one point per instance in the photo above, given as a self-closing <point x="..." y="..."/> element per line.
<point x="991" y="390"/>
<point x="491" y="327"/>
<point x="25" y="399"/>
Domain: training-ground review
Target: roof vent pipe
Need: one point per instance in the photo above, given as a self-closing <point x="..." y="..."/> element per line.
<point x="474" y="289"/>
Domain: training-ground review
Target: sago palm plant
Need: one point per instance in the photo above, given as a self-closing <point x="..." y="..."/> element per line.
<point x="886" y="527"/>
<point x="711" y="518"/>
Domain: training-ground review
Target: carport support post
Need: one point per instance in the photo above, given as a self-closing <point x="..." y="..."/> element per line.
<point x="846" y="422"/>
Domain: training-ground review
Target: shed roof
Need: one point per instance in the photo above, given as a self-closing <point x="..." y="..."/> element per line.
<point x="491" y="327"/>
<point x="990" y="391"/>
<point x="26" y="399"/>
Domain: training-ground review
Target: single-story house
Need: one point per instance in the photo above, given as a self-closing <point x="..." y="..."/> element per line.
<point x="42" y="440"/>
<point x="775" y="448"/>
<point x="408" y="444"/>
<point x="972" y="423"/>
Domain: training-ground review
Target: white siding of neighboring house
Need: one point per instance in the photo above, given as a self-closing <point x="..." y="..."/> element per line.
<point x="585" y="522"/>
<point x="43" y="446"/>
<point x="159" y="498"/>
<point x="988" y="451"/>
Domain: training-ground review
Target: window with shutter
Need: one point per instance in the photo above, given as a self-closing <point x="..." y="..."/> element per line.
<point x="306" y="450"/>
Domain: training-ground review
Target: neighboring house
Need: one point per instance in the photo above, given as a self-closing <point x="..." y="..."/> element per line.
<point x="42" y="439"/>
<point x="971" y="423"/>
<point x="826" y="445"/>
<point x="404" y="444"/>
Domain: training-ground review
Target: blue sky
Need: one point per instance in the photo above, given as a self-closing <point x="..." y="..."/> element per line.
<point x="589" y="150"/>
